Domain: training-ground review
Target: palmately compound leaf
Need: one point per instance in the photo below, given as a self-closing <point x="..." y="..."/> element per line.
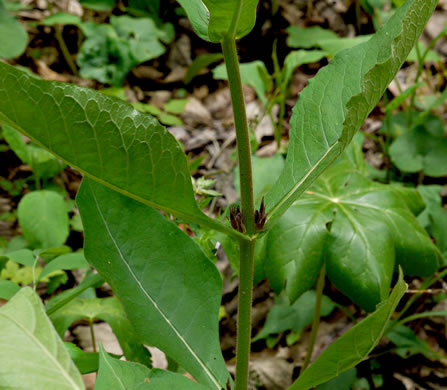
<point x="104" y="138"/>
<point x="340" y="97"/>
<point x="214" y="19"/>
<point x="112" y="50"/>
<point x="32" y="354"/>
<point x="121" y="375"/>
<point x="351" y="348"/>
<point x="360" y="228"/>
<point x="108" y="310"/>
<point x="169" y="288"/>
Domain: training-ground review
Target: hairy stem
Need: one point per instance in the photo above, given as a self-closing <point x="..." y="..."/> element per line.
<point x="316" y="320"/>
<point x="247" y="247"/>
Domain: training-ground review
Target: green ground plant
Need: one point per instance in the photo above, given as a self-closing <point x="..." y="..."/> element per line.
<point x="133" y="168"/>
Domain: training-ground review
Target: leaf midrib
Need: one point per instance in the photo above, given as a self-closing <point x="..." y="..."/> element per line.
<point x="42" y="347"/>
<point x="152" y="301"/>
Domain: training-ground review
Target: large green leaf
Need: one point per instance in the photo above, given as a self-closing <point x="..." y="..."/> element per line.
<point x="214" y="19"/>
<point x="351" y="348"/>
<point x="109" y="310"/>
<point x="32" y="354"/>
<point x="169" y="288"/>
<point x="43" y="218"/>
<point x="360" y="227"/>
<point x="337" y="101"/>
<point x="121" y="375"/>
<point x="13" y="37"/>
<point x="104" y="138"/>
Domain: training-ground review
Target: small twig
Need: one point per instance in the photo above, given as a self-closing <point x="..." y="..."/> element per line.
<point x="316" y="320"/>
<point x="92" y="334"/>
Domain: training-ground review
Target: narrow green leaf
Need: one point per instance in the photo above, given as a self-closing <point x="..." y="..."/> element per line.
<point x="62" y="18"/>
<point x="105" y="139"/>
<point x="409" y="344"/>
<point x="200" y="63"/>
<point x="214" y="19"/>
<point x="32" y="354"/>
<point x="308" y="37"/>
<point x="121" y="375"/>
<point x="99" y="5"/>
<point x="69" y="261"/>
<point x="297" y="58"/>
<point x="351" y="348"/>
<point x="22" y="256"/>
<point x="337" y="101"/>
<point x="43" y="218"/>
<point x="90" y="281"/>
<point x="160" y="275"/>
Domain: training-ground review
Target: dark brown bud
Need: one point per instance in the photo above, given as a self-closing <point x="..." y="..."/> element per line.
<point x="260" y="216"/>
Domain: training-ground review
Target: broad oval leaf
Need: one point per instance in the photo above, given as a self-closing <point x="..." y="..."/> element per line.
<point x="351" y="348"/>
<point x="215" y="19"/>
<point x="43" y="218"/>
<point x="32" y="354"/>
<point x="13" y="37"/>
<point x="104" y="138"/>
<point x="169" y="288"/>
<point x="340" y="97"/>
<point x="360" y="228"/>
<point x="121" y="375"/>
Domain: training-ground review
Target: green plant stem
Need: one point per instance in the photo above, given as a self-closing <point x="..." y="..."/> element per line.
<point x="316" y="320"/>
<point x="244" y="313"/>
<point x="424" y="286"/>
<point x="247" y="247"/>
<point x="242" y="134"/>
<point x="418" y="316"/>
<point x="92" y="335"/>
<point x="64" y="49"/>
